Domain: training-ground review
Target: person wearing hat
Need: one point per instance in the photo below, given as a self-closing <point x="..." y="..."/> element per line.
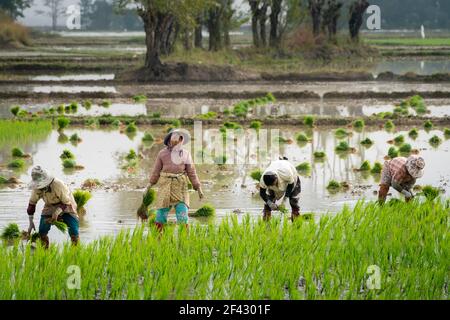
<point x="401" y="174"/>
<point x="59" y="204"/>
<point x="280" y="180"/>
<point x="172" y="170"/>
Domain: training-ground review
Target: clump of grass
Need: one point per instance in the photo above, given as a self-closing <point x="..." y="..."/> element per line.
<point x="149" y="197"/>
<point x="301" y="138"/>
<point x="342" y="147"/>
<point x="413" y="133"/>
<point x="319" y="155"/>
<point x="17" y="164"/>
<point x="67" y="154"/>
<point x="392" y="152"/>
<point x="341" y="133"/>
<point x="428" y="125"/>
<point x="359" y="124"/>
<point x="69" y="163"/>
<point x="435" y="141"/>
<point x="367" y="142"/>
<point x="63" y="123"/>
<point x="140" y="98"/>
<point x="81" y="198"/>
<point x="377" y="168"/>
<point x="256" y="124"/>
<point x="308" y="121"/>
<point x="15" y="110"/>
<point x="148" y="137"/>
<point x="430" y="192"/>
<point x="365" y="166"/>
<point x="74" y="138"/>
<point x="389" y="125"/>
<point x="11" y="232"/>
<point x="256" y="175"/>
<point x="398" y="140"/>
<point x="405" y="149"/>
<point x="131" y="128"/>
<point x="304" y="167"/>
<point x="206" y="210"/>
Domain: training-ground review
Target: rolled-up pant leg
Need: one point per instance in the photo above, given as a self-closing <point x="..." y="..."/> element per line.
<point x="294" y="200"/>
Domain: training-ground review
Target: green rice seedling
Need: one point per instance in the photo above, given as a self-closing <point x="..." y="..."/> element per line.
<point x="17" y="164"/>
<point x="81" y="198"/>
<point x="67" y="154"/>
<point x="304" y="167"/>
<point x="421" y="110"/>
<point x="392" y="152"/>
<point x="377" y="168"/>
<point x="206" y="210"/>
<point x="342" y="147"/>
<point x="231" y="125"/>
<point x="132" y="155"/>
<point x="385" y="115"/>
<point x="13" y="132"/>
<point x="256" y="175"/>
<point x="428" y="125"/>
<point x="301" y="138"/>
<point x="365" y="166"/>
<point x="226" y="112"/>
<point x="116" y="123"/>
<point x="319" y="155"/>
<point x="270" y="97"/>
<point x="106" y="103"/>
<point x="11" y="232"/>
<point x="413" y="133"/>
<point x="74" y="107"/>
<point x="149" y="197"/>
<point x="63" y="138"/>
<point x="15" y="110"/>
<point x="207" y="116"/>
<point x="367" y="142"/>
<point x="60" y="109"/>
<point x="51" y="111"/>
<point x="389" y="125"/>
<point x="67" y="109"/>
<point x="399" y="140"/>
<point x="69" y="163"/>
<point x="87" y="104"/>
<point x="175" y="123"/>
<point x="63" y="123"/>
<point x="309" y="121"/>
<point x="18" y="153"/>
<point x="91" y="183"/>
<point x="435" y="141"/>
<point x="333" y="186"/>
<point x="91" y="122"/>
<point x="22" y="114"/>
<point x="131" y="128"/>
<point x="447" y="133"/>
<point x="341" y="133"/>
<point x="359" y="124"/>
<point x="148" y="137"/>
<point x="74" y="138"/>
<point x="156" y="115"/>
<point x="405" y="149"/>
<point x="430" y="192"/>
<point x="416" y="101"/>
<point x="3" y="180"/>
<point x="255" y="124"/>
<point x="140" y="98"/>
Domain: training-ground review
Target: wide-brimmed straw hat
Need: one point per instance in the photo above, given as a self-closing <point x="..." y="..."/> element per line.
<point x="40" y="178"/>
<point x="415" y="166"/>
<point x="184" y="133"/>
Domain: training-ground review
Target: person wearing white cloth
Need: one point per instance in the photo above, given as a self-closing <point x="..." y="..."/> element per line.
<point x="280" y="180"/>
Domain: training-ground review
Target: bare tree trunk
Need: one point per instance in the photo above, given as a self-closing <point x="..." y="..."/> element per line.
<point x="274" y="40"/>
<point x="214" y="28"/>
<point x="357" y="10"/>
<point x="315" y="9"/>
<point x="187" y="40"/>
<point x="262" y="24"/>
<point x="198" y="36"/>
<point x="254" y="10"/>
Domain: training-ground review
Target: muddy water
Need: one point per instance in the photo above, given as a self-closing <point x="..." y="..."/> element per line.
<point x="73" y="77"/>
<point x="418" y="66"/>
<point x="228" y="188"/>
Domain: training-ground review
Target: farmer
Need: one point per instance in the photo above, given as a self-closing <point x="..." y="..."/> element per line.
<point x="59" y="205"/>
<point x="280" y="180"/>
<point x="401" y="174"/>
<point x="172" y="169"/>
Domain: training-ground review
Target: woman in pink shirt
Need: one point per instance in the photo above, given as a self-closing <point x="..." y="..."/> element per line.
<point x="173" y="168"/>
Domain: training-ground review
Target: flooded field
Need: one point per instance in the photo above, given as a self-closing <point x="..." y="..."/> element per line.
<point x="229" y="188"/>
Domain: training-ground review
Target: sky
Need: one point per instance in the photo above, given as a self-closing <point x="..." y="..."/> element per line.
<point x="32" y="18"/>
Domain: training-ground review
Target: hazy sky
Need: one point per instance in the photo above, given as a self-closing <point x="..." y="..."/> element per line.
<point x="34" y="19"/>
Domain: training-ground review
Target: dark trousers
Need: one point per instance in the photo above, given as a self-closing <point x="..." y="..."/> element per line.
<point x="294" y="201"/>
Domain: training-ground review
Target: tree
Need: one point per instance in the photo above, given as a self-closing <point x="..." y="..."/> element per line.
<point x="315" y="9"/>
<point x="162" y="20"/>
<point x="258" y="10"/>
<point x="275" y="17"/>
<point x="15" y="8"/>
<point x="357" y="10"/>
<point x="331" y="16"/>
<point x="214" y="24"/>
<point x="54" y="9"/>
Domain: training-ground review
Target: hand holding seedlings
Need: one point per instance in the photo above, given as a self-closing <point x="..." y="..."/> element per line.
<point x="201" y="195"/>
<point x="31" y="225"/>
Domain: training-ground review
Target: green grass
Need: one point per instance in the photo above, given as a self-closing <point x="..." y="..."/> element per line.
<point x="140" y="98"/>
<point x="17" y="133"/>
<point x="207" y="116"/>
<point x="430" y="192"/>
<point x="250" y="260"/>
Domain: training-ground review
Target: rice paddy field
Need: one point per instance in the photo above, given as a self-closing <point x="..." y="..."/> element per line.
<point x="67" y="109"/>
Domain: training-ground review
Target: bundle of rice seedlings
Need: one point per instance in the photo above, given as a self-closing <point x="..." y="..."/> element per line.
<point x="366" y="142"/>
<point x="342" y="147"/>
<point x="377" y="168"/>
<point x="435" y="141"/>
<point x="389" y="125"/>
<point x="131" y="128"/>
<point x="206" y="210"/>
<point x="22" y="114"/>
<point x="74" y="107"/>
<point x="149" y="197"/>
<point x="405" y="149"/>
<point x="304" y="167"/>
<point x="51" y="111"/>
<point x="74" y="138"/>
<point x="333" y="186"/>
<point x="208" y="115"/>
<point x="341" y="133"/>
<point x="140" y="98"/>
<point x="231" y="125"/>
<point x="61" y="226"/>
<point x="18" y="153"/>
<point x="416" y="101"/>
<point x="365" y="166"/>
<point x="106" y="103"/>
<point x="359" y="124"/>
<point x="447" y="133"/>
<point x="392" y="152"/>
<point x="132" y="155"/>
<point x="91" y="122"/>
<point x="63" y="123"/>
<point x="255" y="124"/>
<point x="428" y="125"/>
<point x="69" y="163"/>
<point x="116" y="123"/>
<point x="220" y="160"/>
<point x="256" y="175"/>
<point x="60" y="109"/>
<point x="3" y="180"/>
<point x="430" y="192"/>
<point x="308" y="121"/>
<point x="15" y="110"/>
<point x="91" y="184"/>
<point x="81" y="198"/>
<point x="270" y="97"/>
<point x="67" y="154"/>
<point x="413" y="133"/>
<point x="301" y="137"/>
<point x="11" y="232"/>
<point x="87" y="104"/>
<point x="156" y="115"/>
<point x="16" y="164"/>
<point x="148" y="137"/>
<point x="398" y="140"/>
<point x="319" y="155"/>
